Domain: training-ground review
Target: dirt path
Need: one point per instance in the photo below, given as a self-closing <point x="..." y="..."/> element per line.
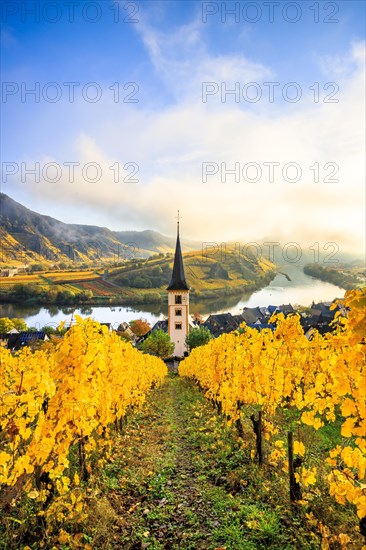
<point x="179" y="478"/>
<point x="163" y="496"/>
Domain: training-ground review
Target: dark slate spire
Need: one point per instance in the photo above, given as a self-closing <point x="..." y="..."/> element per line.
<point x="178" y="281"/>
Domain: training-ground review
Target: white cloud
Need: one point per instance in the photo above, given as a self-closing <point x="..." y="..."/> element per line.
<point x="342" y="66"/>
<point x="170" y="146"/>
<point x="182" y="61"/>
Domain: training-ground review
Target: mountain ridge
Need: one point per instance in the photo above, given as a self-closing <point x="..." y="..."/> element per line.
<point x="28" y="236"/>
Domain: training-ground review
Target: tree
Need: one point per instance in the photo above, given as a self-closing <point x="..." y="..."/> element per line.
<point x="26" y="290"/>
<point x="65" y="297"/>
<point x="50" y="330"/>
<point x="19" y="324"/>
<point x="141" y="282"/>
<point x="124" y="281"/>
<point x="198" y="337"/>
<point x="156" y="271"/>
<point x="37" y="267"/>
<point x="140" y="327"/>
<point x="159" y="344"/>
<point x="6" y="324"/>
<point x="52" y="295"/>
<point x="84" y="296"/>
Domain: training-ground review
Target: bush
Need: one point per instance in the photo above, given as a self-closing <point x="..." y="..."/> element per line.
<point x="141" y="282"/>
<point x="84" y="296"/>
<point x="159" y="344"/>
<point x="152" y="298"/>
<point x="37" y="267"/>
<point x="139" y="327"/>
<point x="6" y="324"/>
<point x="65" y="297"/>
<point x="198" y="337"/>
<point x="19" y="324"/>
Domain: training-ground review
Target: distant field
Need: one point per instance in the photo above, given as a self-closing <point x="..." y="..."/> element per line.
<point x="99" y="287"/>
<point x="10" y="281"/>
<point x="147" y="279"/>
<point x="53" y="277"/>
<point x="75" y="281"/>
<point x="59" y="276"/>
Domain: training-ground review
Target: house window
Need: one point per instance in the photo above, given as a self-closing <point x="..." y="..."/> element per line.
<point x="178" y="299"/>
<point x="178" y="326"/>
<point x="178" y="312"/>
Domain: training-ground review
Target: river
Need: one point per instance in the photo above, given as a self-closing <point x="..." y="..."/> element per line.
<point x="300" y="289"/>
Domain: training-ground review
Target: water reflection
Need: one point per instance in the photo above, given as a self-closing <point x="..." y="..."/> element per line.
<point x="18" y="310"/>
<point x="293" y="287"/>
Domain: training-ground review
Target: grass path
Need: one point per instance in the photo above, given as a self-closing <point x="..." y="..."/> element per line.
<point x="179" y="478"/>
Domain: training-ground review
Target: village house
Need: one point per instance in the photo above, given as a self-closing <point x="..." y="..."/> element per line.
<point x="222" y="323"/>
<point x="320" y="317"/>
<point x="16" y="341"/>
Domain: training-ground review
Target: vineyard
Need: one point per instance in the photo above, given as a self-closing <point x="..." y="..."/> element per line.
<point x="59" y="406"/>
<point x="52" y="277"/>
<point x="259" y="443"/>
<point x="53" y="281"/>
<point x="283" y="379"/>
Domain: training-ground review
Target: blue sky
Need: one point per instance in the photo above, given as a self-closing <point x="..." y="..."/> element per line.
<point x="163" y="58"/>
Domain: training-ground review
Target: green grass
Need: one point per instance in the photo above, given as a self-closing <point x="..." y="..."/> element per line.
<point x="180" y="478"/>
<point x="187" y="481"/>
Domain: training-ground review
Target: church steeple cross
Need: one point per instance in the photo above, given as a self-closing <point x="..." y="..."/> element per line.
<point x="178" y="217"/>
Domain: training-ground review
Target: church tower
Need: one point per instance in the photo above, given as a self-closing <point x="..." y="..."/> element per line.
<point x="178" y="303"/>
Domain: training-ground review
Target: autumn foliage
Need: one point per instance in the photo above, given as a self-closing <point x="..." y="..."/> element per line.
<point x="65" y="401"/>
<point x="319" y="380"/>
<point x="140" y="327"/>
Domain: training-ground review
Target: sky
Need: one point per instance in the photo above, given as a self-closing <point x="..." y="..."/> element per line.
<point x="246" y="116"/>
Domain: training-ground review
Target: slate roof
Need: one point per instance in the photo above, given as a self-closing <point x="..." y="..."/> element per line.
<point x="265" y="312"/>
<point x="17" y="341"/>
<point x="238" y="319"/>
<point x="251" y="315"/>
<point x="222" y="322"/>
<point x="159" y="325"/>
<point x="286" y="309"/>
<point x="323" y="306"/>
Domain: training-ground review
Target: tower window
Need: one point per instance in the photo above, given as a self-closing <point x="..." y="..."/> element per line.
<point x="178" y="312"/>
<point x="178" y="326"/>
<point x="178" y="299"/>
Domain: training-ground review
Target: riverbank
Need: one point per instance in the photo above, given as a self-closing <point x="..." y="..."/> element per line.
<point x="31" y="294"/>
<point x="300" y="290"/>
<point x="348" y="279"/>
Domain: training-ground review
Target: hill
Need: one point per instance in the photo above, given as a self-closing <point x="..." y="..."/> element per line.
<point x="345" y="276"/>
<point x="81" y="254"/>
<point x="29" y="237"/>
<point x="139" y="281"/>
<point x="207" y="275"/>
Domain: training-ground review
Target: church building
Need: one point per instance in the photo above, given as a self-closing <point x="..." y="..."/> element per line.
<point x="178" y="303"/>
